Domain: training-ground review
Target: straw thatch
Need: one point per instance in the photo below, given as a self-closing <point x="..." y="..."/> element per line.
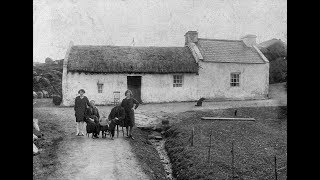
<point x="128" y="59"/>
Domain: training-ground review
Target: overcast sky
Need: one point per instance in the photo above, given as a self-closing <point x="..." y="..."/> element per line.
<point x="150" y="22"/>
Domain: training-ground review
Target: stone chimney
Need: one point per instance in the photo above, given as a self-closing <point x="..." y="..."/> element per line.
<point x="249" y="40"/>
<point x="191" y="36"/>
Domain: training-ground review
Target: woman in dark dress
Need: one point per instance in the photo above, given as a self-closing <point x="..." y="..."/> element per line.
<point x="92" y="115"/>
<point x="80" y="106"/>
<point x="129" y="104"/>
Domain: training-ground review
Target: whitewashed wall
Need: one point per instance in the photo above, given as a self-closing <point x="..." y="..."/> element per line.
<point x="154" y="87"/>
<point x="159" y="88"/>
<point x="214" y="81"/>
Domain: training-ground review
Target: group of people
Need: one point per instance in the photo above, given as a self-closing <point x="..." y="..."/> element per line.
<point x="87" y="112"/>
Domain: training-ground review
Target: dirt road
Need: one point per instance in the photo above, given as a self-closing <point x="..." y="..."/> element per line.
<point x="81" y="157"/>
<point x="87" y="158"/>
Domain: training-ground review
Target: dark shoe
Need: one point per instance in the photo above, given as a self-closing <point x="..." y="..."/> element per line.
<point x="112" y="138"/>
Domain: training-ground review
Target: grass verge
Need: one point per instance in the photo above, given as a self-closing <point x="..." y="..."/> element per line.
<point x="147" y="155"/>
<point x="46" y="161"/>
<point x="255" y="144"/>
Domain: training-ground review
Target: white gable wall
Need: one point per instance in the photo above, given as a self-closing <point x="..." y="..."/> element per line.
<point x="214" y="81"/>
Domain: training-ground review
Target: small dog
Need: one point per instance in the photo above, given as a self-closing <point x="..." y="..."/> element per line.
<point x="199" y="102"/>
<point x="104" y="126"/>
<point x="104" y="130"/>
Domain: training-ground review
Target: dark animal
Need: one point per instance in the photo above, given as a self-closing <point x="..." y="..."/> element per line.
<point x="199" y="102"/>
<point x="104" y="126"/>
<point x="120" y="123"/>
<point x="104" y="130"/>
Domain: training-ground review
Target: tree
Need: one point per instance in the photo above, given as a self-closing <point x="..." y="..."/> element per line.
<point x="49" y="61"/>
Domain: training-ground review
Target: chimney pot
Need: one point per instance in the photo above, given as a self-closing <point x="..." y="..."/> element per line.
<point x="249" y="40"/>
<point x="191" y="37"/>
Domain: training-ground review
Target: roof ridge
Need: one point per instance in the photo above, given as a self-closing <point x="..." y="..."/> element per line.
<point x="129" y="46"/>
<point x="220" y="39"/>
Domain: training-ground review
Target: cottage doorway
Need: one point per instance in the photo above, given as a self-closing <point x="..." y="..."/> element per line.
<point x="134" y="84"/>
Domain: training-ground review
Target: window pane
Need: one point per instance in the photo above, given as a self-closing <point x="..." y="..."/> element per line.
<point x="177" y="80"/>
<point x="235" y="78"/>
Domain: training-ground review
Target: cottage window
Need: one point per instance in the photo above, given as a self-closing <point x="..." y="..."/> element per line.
<point x="177" y="80"/>
<point x="100" y="87"/>
<point x="235" y="79"/>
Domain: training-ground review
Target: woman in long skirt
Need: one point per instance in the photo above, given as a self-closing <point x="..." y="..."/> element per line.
<point x="129" y="104"/>
<point x="81" y="104"/>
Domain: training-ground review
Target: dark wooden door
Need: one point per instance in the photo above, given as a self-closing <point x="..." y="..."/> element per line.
<point x="134" y="84"/>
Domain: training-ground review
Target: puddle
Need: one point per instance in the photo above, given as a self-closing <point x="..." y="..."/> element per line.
<point x="159" y="145"/>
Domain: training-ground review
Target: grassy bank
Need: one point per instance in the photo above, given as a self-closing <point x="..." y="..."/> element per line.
<point x="46" y="161"/>
<point x="147" y="155"/>
<point x="255" y="144"/>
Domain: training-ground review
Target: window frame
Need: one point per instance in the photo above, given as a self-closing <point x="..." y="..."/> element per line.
<point x="100" y="87"/>
<point x="235" y="79"/>
<point x="177" y="82"/>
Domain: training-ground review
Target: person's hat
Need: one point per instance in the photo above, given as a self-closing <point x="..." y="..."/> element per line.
<point x="81" y="90"/>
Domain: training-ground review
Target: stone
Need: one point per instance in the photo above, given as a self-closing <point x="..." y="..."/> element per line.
<point x="151" y="136"/>
<point x="165" y="122"/>
<point x="155" y="135"/>
<point x="158" y="137"/>
<point x="145" y="128"/>
<point x="165" y="127"/>
<point x="157" y="128"/>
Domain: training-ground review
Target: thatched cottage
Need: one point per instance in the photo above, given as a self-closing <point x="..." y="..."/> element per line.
<point x="209" y="68"/>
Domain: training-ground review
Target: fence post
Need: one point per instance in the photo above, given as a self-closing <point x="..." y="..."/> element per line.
<point x="275" y="167"/>
<point x="192" y="136"/>
<point x="232" y="161"/>
<point x="209" y="159"/>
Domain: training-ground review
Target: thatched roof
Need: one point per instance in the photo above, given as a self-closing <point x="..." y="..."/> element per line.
<point x="131" y="59"/>
<point x="228" y="51"/>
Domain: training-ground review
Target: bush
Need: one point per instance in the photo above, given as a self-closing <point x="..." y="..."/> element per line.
<point x="278" y="71"/>
<point x="48" y="60"/>
<point x="56" y="99"/>
<point x="39" y="95"/>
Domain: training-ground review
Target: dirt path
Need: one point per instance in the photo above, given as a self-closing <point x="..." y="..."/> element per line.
<point x="87" y="158"/>
<point x="81" y="157"/>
